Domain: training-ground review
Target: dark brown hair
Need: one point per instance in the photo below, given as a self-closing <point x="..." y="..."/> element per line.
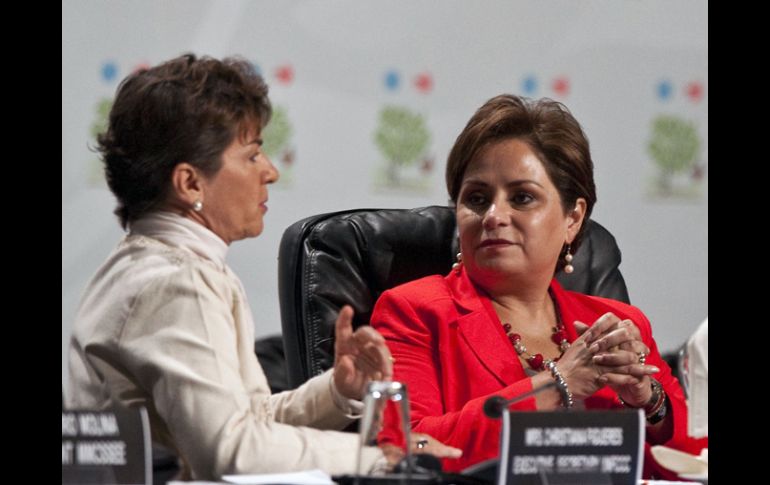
<point x="552" y="133"/>
<point x="188" y="109"/>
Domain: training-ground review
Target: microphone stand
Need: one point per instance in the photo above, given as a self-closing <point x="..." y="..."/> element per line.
<point x="495" y="405"/>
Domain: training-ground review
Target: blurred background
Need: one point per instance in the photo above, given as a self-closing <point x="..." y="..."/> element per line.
<point x="369" y="97"/>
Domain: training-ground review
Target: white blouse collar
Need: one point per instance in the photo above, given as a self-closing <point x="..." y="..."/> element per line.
<point x="179" y="231"/>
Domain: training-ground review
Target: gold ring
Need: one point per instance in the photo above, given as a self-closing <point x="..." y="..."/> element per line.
<point x="642" y="357"/>
<point x="422" y="443"/>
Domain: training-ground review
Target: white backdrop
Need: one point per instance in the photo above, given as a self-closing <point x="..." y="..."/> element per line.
<point x="623" y="68"/>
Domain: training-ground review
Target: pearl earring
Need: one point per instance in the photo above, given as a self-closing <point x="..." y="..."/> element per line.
<point x="568" y="268"/>
<point x="197" y="205"/>
<point x="459" y="263"/>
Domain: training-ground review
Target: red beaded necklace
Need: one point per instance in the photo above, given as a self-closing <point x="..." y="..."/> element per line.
<point x="536" y="361"/>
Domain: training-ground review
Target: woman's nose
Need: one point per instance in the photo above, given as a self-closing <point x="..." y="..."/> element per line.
<point x="494" y="216"/>
<point x="272" y="173"/>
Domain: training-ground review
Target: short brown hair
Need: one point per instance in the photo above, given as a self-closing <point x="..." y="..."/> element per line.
<point x="552" y="133"/>
<point x="188" y="109"/>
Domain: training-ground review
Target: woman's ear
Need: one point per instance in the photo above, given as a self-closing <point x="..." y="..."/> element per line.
<point x="575" y="219"/>
<point x="186" y="185"/>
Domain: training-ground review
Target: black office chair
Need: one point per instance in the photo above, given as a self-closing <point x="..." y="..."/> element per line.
<point x="351" y="257"/>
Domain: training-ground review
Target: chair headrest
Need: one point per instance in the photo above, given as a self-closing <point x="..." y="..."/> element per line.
<point x="351" y="257"/>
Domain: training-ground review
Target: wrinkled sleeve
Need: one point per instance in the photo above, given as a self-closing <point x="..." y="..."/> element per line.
<point x="315" y="404"/>
<point x="183" y="344"/>
<point x="411" y="336"/>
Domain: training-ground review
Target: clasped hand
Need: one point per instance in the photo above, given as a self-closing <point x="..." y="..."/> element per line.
<point x="610" y="352"/>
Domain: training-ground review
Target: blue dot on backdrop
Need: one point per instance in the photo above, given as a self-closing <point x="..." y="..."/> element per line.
<point x="392" y="80"/>
<point x="529" y="85"/>
<point x="109" y="71"/>
<point x="665" y="90"/>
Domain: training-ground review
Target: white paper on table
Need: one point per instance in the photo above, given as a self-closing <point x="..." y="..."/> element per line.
<point x="663" y="482"/>
<point x="682" y="463"/>
<point x="193" y="482"/>
<point x="308" y="477"/>
<point x="698" y="377"/>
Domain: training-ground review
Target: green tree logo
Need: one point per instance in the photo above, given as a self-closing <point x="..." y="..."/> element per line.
<point x="674" y="145"/>
<point x="402" y="137"/>
<point x="275" y="143"/>
<point x="99" y="125"/>
<point x="95" y="173"/>
<point x="277" y="133"/>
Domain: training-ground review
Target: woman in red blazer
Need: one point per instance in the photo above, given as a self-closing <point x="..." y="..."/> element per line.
<point x="521" y="178"/>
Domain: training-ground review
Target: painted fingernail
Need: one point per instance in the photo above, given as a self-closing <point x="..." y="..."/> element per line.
<point x="594" y="347"/>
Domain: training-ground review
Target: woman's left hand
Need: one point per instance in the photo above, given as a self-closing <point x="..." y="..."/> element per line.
<point x="621" y="353"/>
<point x="420" y="443"/>
<point x="359" y="357"/>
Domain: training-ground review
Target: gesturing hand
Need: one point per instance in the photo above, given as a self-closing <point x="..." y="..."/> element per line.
<point x="359" y="357"/>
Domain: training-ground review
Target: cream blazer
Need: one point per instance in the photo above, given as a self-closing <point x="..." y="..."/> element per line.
<point x="164" y="323"/>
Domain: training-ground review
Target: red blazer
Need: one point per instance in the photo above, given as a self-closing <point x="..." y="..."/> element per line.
<point x="453" y="354"/>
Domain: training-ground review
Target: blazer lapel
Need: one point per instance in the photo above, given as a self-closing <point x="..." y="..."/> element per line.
<point x="484" y="336"/>
<point x="490" y="347"/>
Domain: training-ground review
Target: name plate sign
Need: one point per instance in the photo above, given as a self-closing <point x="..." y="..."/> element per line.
<point x="571" y="447"/>
<point x="106" y="446"/>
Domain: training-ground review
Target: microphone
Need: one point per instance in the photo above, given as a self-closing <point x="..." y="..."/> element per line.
<point x="495" y="405"/>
